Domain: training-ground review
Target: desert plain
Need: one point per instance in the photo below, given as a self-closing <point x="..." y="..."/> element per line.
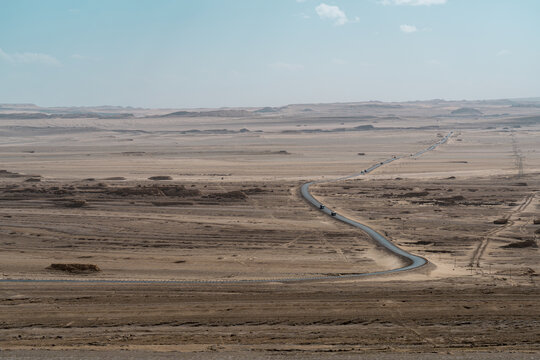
<point x="173" y="211"/>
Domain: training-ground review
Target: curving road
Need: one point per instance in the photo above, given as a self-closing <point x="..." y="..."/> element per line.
<point x="413" y="260"/>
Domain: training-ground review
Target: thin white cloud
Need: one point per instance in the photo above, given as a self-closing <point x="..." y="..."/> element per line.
<point x="78" y="57"/>
<point x="503" y="52"/>
<point x="408" y="28"/>
<point x="414" y="2"/>
<point x="29" y="58"/>
<point x="4" y="56"/>
<point x="279" y="65"/>
<point x="339" y="61"/>
<point x="330" y="12"/>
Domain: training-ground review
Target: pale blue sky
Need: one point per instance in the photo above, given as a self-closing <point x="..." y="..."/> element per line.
<point x="212" y="53"/>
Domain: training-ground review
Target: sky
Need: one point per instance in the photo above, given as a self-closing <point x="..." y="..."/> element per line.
<point x="227" y="53"/>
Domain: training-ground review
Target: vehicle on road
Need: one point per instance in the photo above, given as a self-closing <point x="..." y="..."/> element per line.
<point x="321" y="206"/>
<point x="333" y="213"/>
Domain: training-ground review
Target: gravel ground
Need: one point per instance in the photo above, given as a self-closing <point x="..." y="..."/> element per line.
<point x="90" y="355"/>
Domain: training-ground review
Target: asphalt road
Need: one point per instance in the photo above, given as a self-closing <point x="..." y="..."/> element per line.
<point x="414" y="260"/>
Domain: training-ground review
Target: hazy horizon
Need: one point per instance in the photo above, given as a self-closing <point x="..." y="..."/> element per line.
<point x="523" y="99"/>
<point x="210" y="54"/>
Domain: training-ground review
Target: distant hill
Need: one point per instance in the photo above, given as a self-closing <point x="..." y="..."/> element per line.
<point x="17" y="106"/>
<point x="529" y="104"/>
<point x="382" y="105"/>
<point x="465" y="111"/>
<point x="212" y="113"/>
<point x="267" y="109"/>
<point x="39" y="115"/>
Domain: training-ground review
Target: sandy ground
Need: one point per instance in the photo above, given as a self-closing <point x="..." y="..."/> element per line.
<point x="76" y="190"/>
<point x="77" y="354"/>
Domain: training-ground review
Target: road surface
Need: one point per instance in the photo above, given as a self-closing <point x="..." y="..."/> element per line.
<point x="414" y="261"/>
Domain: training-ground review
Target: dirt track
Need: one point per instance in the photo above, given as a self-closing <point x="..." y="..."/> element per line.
<point x="361" y="316"/>
<point x="134" y="354"/>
